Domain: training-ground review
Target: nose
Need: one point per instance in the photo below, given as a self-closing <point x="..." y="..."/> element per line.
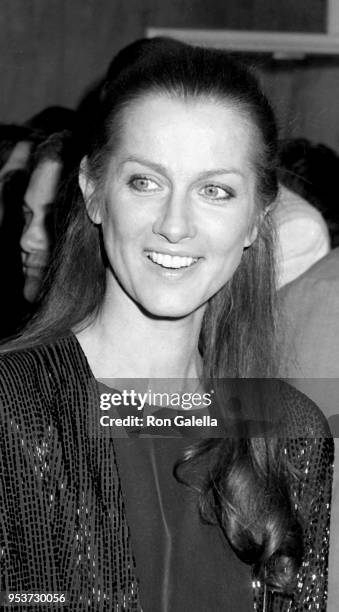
<point x="34" y="237"/>
<point x="175" y="220"/>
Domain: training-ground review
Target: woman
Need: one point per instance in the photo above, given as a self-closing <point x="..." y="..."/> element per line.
<point x="165" y="274"/>
<point x="16" y="144"/>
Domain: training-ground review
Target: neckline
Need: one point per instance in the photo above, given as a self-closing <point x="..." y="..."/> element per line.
<point x="71" y="335"/>
<point x="97" y="382"/>
<point x="82" y="355"/>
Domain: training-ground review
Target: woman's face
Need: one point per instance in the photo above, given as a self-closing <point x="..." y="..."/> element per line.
<point x="179" y="203"/>
<point x="36" y="237"/>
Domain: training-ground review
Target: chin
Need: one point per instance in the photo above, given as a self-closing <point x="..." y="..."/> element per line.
<point x="31" y="289"/>
<point x="162" y="309"/>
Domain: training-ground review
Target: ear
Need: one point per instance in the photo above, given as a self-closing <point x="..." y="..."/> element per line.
<point x="88" y="193"/>
<point x="251" y="234"/>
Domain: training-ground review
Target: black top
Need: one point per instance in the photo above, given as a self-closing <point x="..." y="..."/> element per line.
<point x="105" y="520"/>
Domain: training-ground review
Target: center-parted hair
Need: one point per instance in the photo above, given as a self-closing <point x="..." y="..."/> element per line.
<point x="238" y="329"/>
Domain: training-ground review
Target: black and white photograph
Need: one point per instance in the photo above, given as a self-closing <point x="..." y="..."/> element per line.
<point x="169" y="313"/>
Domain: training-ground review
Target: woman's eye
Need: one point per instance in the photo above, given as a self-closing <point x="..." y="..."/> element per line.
<point x="215" y="192"/>
<point x="143" y="183"/>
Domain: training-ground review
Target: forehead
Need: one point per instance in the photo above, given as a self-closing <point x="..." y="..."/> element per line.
<point x="18" y="157"/>
<point x="202" y="132"/>
<point x="43" y="183"/>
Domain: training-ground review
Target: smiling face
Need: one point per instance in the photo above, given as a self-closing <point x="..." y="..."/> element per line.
<point x="179" y="203"/>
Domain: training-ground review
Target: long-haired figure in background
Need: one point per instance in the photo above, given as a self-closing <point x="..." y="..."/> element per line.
<point x="165" y="274"/>
<point x="51" y="165"/>
<point x="16" y="148"/>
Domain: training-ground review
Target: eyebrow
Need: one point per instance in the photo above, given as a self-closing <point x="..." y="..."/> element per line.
<point x="162" y="170"/>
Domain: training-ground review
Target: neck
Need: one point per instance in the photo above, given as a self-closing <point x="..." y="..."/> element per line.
<point x="124" y="342"/>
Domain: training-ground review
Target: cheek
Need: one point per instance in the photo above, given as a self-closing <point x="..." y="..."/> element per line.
<point x="42" y="230"/>
<point x="229" y="239"/>
<point x="227" y="247"/>
<point x="121" y="229"/>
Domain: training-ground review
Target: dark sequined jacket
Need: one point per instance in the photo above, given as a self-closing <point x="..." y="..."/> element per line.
<point x="72" y="504"/>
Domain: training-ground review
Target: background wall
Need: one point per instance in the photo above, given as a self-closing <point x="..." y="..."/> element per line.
<point x="305" y="95"/>
<point x="51" y="51"/>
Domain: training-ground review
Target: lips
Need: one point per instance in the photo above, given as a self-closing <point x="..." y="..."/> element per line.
<point x="34" y="270"/>
<point x="172" y="261"/>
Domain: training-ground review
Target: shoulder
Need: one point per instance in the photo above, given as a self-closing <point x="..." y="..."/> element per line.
<point x="26" y="371"/>
<point x="302" y="234"/>
<point x="324" y="273"/>
<point x="310" y="307"/>
<point x="41" y="388"/>
<point x="20" y="356"/>
<point x="291" y="207"/>
<point x="273" y="408"/>
<point x="299" y="415"/>
<point x="307" y="449"/>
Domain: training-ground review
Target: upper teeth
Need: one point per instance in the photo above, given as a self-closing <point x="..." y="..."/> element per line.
<point x="169" y="261"/>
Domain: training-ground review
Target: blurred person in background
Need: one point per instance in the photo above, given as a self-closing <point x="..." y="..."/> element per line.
<point x="10" y="136"/>
<point x="52" y="119"/>
<point x="17" y="147"/>
<point x="17" y="144"/>
<point x="311" y="170"/>
<point x="17" y="141"/>
<point x="51" y="165"/>
<point x="311" y="358"/>
<point x="306" y="213"/>
<point x="302" y="235"/>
